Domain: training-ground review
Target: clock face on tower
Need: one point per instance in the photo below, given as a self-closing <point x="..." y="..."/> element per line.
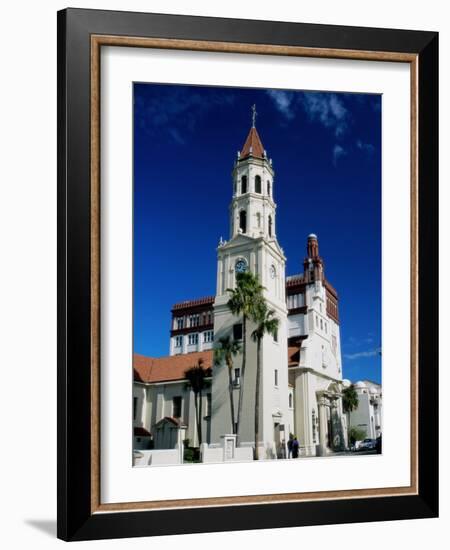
<point x="240" y="266"/>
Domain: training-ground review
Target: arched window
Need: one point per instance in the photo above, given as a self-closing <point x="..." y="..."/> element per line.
<point x="290" y="400"/>
<point x="268" y="187"/>
<point x="258" y="219"/>
<point x="244" y="184"/>
<point x="258" y="184"/>
<point x="270" y="226"/>
<point x="243" y="221"/>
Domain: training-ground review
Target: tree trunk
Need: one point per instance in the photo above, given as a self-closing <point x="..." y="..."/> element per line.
<point x="241" y="389"/>
<point x="196" y="417"/>
<point x="230" y="390"/>
<point x="258" y="381"/>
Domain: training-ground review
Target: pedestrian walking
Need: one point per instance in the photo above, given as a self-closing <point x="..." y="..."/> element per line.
<point x="289" y="446"/>
<point x="295" y="445"/>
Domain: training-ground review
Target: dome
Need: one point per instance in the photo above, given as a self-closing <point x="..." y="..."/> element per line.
<point x="312" y="236"/>
<point x="373" y="391"/>
<point x="346" y="383"/>
<point x="360" y="385"/>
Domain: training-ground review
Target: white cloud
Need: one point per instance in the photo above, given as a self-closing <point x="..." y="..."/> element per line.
<point x="338" y="152"/>
<point x="175" y="113"/>
<point x="324" y="109"/>
<point x="283" y="102"/>
<point x="367" y="147"/>
<point x="363" y="354"/>
<point x="328" y="109"/>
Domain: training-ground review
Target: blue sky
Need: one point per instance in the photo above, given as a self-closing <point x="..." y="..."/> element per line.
<point x="326" y="151"/>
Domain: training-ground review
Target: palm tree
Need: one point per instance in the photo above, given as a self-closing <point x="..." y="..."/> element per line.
<point x="224" y="353"/>
<point x="266" y="323"/>
<point x="350" y="402"/>
<point x="349" y="399"/>
<point x="243" y="301"/>
<point x="196" y="377"/>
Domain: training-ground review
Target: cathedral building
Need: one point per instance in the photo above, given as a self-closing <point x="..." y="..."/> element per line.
<point x="301" y="367"/>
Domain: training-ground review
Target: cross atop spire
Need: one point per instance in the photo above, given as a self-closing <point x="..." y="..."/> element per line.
<point x="254" y="114"/>
<point x="253" y="146"/>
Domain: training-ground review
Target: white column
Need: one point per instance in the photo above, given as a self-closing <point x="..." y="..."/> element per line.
<point x="219" y="277"/>
<point x="226" y="274"/>
<point x="323" y="426"/>
<point x="303" y="413"/>
<point x="253" y="261"/>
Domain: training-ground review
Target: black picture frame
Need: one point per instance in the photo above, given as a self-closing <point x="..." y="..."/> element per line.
<point x="76" y="521"/>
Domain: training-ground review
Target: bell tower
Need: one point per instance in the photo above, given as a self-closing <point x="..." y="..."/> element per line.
<point x="253" y="247"/>
<point x="252" y="210"/>
<point x="253" y="242"/>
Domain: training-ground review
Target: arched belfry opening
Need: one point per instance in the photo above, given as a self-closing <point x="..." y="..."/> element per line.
<point x="258" y="184"/>
<point x="270" y="226"/>
<point x="243" y="184"/>
<point x="243" y="221"/>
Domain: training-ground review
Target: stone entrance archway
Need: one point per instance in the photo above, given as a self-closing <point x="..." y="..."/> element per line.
<point x="331" y="431"/>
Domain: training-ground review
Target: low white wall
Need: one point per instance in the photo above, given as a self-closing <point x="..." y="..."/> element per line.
<point x="243" y="454"/>
<point x="155" y="457"/>
<point x="211" y="454"/>
<point x="217" y="454"/>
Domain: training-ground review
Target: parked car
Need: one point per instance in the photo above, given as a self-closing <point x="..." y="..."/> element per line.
<point x="367" y="444"/>
<point x="355" y="445"/>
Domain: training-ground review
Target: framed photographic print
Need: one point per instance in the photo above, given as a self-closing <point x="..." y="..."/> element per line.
<point x="247" y="274"/>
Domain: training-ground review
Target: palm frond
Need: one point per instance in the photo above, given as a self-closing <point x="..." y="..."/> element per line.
<point x="196" y="375"/>
<point x="226" y="349"/>
<point x="266" y="322"/>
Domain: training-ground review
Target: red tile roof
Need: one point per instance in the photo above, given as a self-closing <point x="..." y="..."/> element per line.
<point x="173" y="367"/>
<point x="294" y="280"/>
<point x="206" y="300"/>
<point x="166" y="369"/>
<point x="253" y="142"/>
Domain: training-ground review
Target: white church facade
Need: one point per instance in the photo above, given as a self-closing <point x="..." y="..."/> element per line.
<point x="301" y="367"/>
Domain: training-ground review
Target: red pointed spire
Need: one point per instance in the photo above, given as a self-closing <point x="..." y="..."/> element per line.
<point x="313" y="264"/>
<point x="252" y="146"/>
